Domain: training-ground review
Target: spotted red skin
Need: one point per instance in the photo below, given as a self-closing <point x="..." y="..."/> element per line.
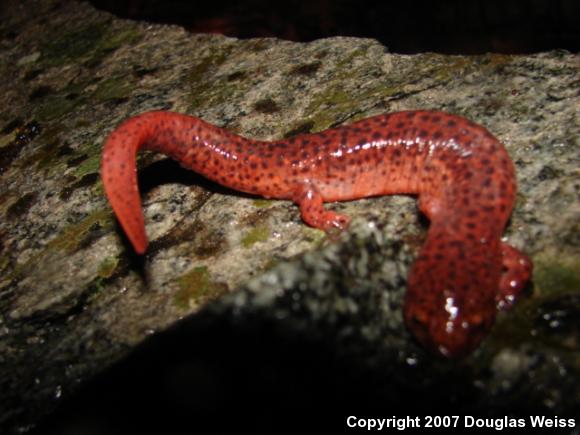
<point x="463" y="175"/>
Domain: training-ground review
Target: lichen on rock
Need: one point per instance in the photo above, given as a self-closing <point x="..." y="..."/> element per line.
<point x="74" y="298"/>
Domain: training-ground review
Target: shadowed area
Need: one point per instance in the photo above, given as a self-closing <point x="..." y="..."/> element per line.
<point x="216" y="372"/>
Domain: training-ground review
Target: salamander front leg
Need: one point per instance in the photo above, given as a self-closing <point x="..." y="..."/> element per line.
<point x="313" y="212"/>
<point x="517" y="269"/>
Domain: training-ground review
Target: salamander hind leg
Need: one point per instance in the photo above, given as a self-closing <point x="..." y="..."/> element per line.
<point x="313" y="212"/>
<point x="516" y="272"/>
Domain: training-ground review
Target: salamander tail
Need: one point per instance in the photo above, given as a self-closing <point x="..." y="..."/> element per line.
<point x="119" y="174"/>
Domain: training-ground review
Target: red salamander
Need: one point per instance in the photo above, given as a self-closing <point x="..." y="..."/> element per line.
<point x="462" y="174"/>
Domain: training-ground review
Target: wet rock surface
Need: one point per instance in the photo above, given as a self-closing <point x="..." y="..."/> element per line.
<point x="245" y="300"/>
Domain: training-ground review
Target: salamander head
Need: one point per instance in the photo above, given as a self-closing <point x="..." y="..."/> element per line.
<point x="450" y="331"/>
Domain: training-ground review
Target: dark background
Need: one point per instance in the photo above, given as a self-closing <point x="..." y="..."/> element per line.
<point x="233" y="375"/>
<point x="404" y="26"/>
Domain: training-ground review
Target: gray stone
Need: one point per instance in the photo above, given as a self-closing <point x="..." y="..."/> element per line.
<point x="74" y="299"/>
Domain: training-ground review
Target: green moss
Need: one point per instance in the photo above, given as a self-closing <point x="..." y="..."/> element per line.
<point x="8" y="139"/>
<point x="221" y="89"/>
<point x="255" y="235"/>
<point x="553" y="279"/>
<point x="328" y="106"/>
<point x="314" y="235"/>
<point x="205" y="65"/>
<point x="554" y="276"/>
<point x="88" y="43"/>
<point x="115" y="39"/>
<point x="71" y="45"/>
<point x="50" y="156"/>
<point x="68" y="241"/>
<point x="332" y="103"/>
<point x="54" y="107"/>
<point x="349" y="58"/>
<point x="86" y="160"/>
<point x="73" y="89"/>
<point x="114" y="88"/>
<point x="262" y="203"/>
<point x="219" y="93"/>
<point x="74" y="235"/>
<point x="44" y="156"/>
<point x="196" y="287"/>
<point x="107" y="267"/>
<point x="89" y="166"/>
<point x="4" y="264"/>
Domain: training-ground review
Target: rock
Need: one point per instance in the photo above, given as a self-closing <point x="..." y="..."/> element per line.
<point x="74" y="299"/>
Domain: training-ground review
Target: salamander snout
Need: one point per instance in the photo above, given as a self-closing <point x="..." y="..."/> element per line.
<point x="450" y="333"/>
